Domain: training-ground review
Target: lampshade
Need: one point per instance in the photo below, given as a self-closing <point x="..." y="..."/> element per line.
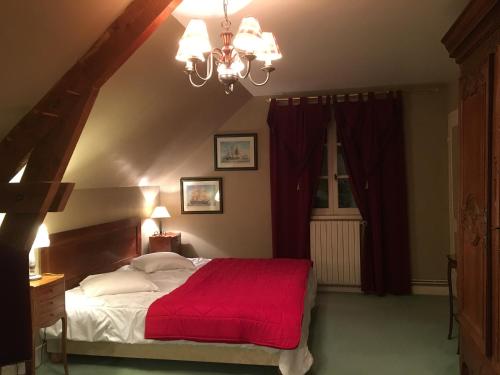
<point x="270" y="50"/>
<point x="41" y="240"/>
<point x="42" y="237"/>
<point x="194" y="42"/>
<point x="160" y="212"/>
<point x="184" y="54"/>
<point x="249" y="36"/>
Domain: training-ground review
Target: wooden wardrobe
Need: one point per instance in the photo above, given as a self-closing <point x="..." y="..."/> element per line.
<point x="474" y="42"/>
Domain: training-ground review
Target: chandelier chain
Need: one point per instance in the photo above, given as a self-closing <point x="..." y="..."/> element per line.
<point x="226" y="24"/>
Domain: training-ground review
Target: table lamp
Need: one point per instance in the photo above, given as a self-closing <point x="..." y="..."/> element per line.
<point x="160" y="212"/>
<point x="41" y="240"/>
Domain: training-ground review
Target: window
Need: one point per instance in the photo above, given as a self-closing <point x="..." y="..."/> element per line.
<point x="334" y="195"/>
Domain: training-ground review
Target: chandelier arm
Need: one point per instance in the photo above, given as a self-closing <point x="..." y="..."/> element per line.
<point x="217" y="53"/>
<point x="248" y="66"/>
<point x="209" y="69"/>
<point x="194" y="83"/>
<point x="268" y="74"/>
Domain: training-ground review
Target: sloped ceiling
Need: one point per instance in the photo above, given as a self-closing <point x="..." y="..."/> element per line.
<point x="148" y="118"/>
<point x="40" y="41"/>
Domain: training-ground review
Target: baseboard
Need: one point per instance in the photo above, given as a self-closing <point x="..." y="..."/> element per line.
<point x="339" y="288"/>
<point x="419" y="287"/>
<point x="430" y="287"/>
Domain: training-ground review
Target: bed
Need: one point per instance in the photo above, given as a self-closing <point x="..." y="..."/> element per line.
<point x="107" y="247"/>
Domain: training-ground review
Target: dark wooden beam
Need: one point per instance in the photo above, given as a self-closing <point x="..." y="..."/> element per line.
<point x="29" y="197"/>
<point x="127" y="33"/>
<point x="48" y="134"/>
<point x="98" y="64"/>
<point x="61" y="198"/>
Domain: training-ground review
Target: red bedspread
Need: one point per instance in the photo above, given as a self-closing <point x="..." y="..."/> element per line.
<point x="257" y="301"/>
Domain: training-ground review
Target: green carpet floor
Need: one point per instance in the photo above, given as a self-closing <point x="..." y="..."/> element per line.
<point x="351" y="334"/>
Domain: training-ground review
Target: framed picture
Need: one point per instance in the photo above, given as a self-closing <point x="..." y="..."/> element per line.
<point x="201" y="195"/>
<point x="235" y="152"/>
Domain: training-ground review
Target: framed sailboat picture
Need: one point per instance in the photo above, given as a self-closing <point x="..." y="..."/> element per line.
<point x="235" y="151"/>
<point x="201" y="195"/>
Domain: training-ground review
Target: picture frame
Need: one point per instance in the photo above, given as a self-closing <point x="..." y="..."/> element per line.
<point x="235" y="152"/>
<point x="201" y="195"/>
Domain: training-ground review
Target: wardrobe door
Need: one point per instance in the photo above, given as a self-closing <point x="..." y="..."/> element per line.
<point x="474" y="255"/>
<point x="495" y="208"/>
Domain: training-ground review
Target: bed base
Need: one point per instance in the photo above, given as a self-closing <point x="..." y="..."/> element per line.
<point x="178" y="352"/>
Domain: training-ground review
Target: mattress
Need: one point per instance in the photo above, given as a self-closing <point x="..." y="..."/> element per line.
<point x="120" y="318"/>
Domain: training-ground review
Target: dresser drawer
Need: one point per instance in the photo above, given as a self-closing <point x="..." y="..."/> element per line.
<point x="165" y="242"/>
<point x="45" y="306"/>
<point x="49" y="317"/>
<point x="48" y="291"/>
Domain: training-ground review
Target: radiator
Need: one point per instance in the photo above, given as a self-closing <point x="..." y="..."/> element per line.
<point x="335" y="247"/>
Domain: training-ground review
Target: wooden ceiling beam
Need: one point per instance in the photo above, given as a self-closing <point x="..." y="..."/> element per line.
<point x="98" y="64"/>
<point x="50" y="145"/>
<point x="29" y="197"/>
<point x="127" y="33"/>
<point x="48" y="134"/>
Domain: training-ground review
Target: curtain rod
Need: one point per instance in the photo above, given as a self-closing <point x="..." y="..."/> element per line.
<point x="355" y="94"/>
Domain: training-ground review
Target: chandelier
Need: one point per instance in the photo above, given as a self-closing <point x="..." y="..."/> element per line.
<point x="234" y="60"/>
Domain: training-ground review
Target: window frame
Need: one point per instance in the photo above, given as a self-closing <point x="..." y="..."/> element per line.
<point x="333" y="209"/>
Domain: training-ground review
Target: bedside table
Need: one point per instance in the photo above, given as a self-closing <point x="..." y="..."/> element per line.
<point x="169" y="241"/>
<point x="47" y="307"/>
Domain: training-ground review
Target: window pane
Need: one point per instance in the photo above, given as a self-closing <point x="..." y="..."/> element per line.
<point x="324" y="162"/>
<point x="346" y="199"/>
<point x="321" y="199"/>
<point x="341" y="169"/>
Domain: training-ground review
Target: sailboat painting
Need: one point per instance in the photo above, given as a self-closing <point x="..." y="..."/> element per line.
<point x="235" y="151"/>
<point x="201" y="195"/>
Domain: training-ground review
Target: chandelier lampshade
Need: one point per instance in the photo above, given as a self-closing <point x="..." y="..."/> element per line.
<point x="186" y="54"/>
<point x="194" y="42"/>
<point x="270" y="50"/>
<point x="249" y="37"/>
<point x="234" y="59"/>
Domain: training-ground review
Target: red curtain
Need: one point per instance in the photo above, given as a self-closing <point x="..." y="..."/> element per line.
<point x="372" y="136"/>
<point x="297" y="135"/>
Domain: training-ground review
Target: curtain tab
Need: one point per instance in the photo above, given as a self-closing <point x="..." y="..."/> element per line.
<point x="298" y="186"/>
<point x="366" y="185"/>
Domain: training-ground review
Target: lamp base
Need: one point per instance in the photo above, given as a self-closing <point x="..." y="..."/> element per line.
<point x="35" y="276"/>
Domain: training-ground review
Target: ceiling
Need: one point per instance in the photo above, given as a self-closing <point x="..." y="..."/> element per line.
<point x="344" y="44"/>
<point x="327" y="45"/>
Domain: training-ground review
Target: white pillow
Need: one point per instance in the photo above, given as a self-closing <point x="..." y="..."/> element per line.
<point x="117" y="283"/>
<point x="162" y="261"/>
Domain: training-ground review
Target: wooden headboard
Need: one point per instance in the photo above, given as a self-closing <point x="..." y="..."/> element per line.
<point x="96" y="249"/>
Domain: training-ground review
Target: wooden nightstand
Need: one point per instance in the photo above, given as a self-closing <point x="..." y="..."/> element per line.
<point x="47" y="307"/>
<point x="169" y="241"/>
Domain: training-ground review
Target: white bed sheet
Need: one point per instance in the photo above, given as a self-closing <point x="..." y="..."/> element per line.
<point x="120" y="318"/>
